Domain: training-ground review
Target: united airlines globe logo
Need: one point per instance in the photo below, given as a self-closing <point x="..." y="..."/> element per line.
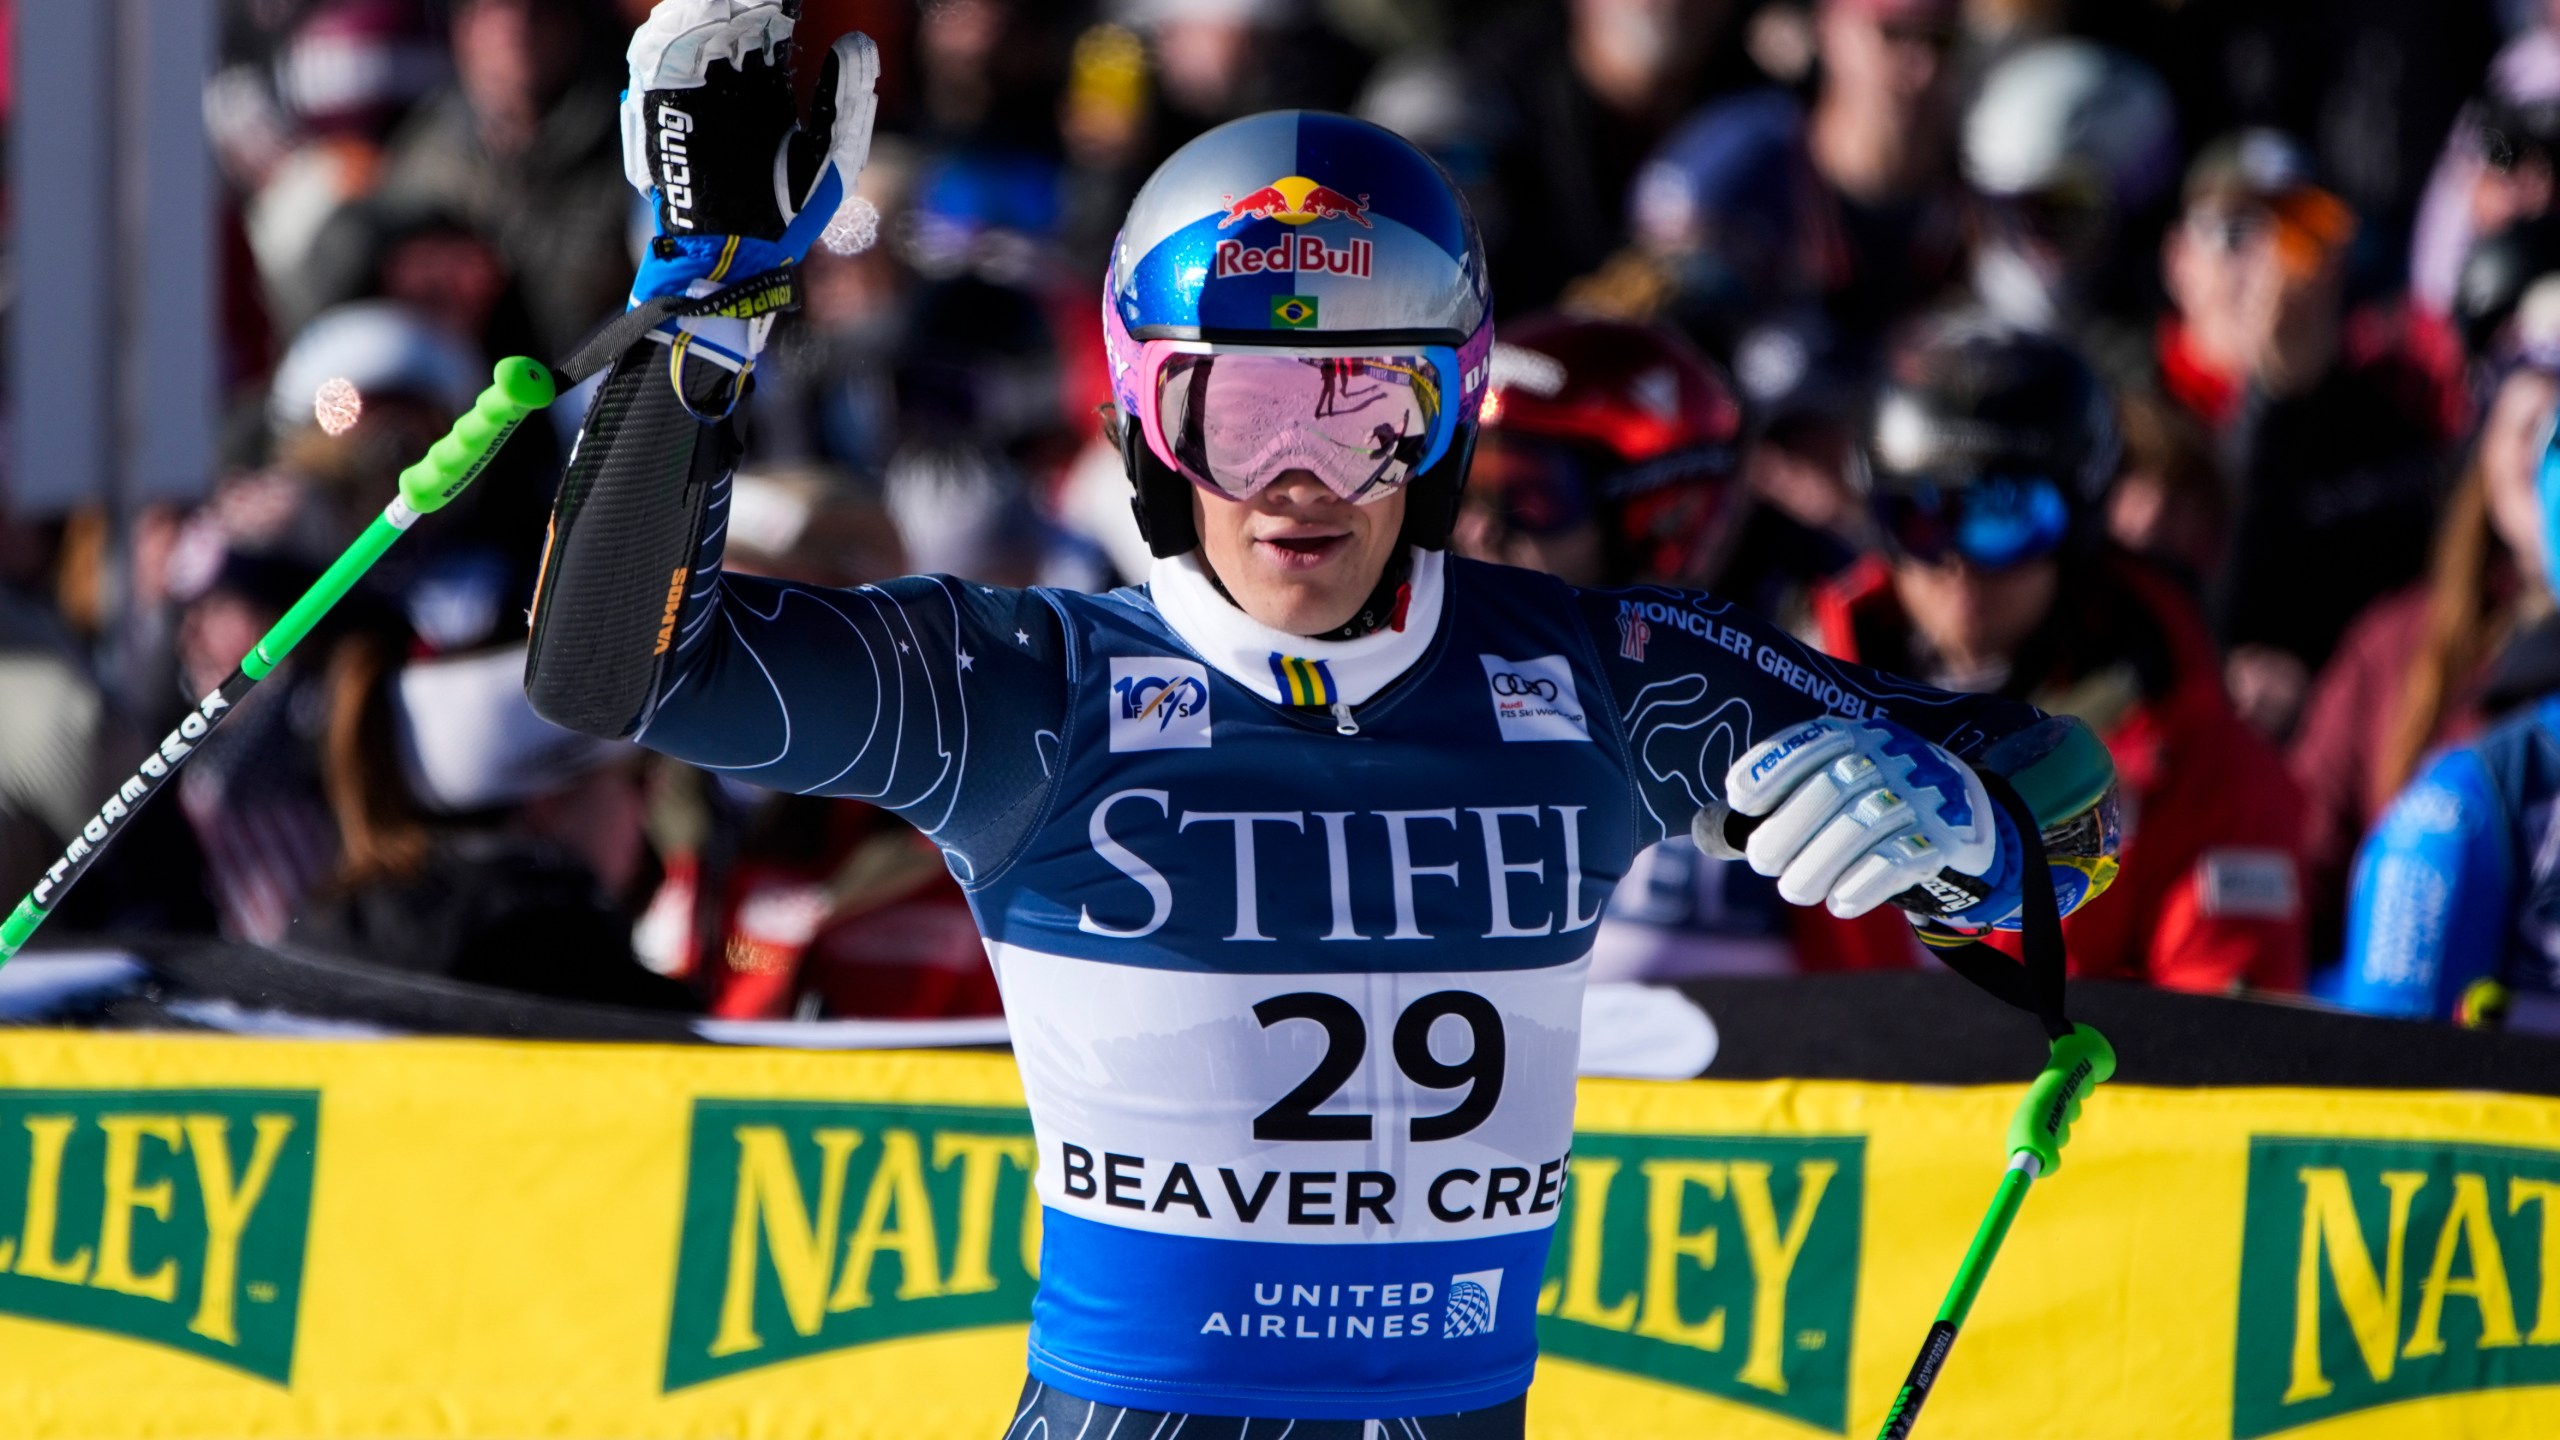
<point x="1472" y="1298"/>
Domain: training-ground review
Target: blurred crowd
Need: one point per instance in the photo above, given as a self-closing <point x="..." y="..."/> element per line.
<point x="2309" y="252"/>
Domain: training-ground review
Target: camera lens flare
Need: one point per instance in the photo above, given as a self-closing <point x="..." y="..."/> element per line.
<point x="337" y="406"/>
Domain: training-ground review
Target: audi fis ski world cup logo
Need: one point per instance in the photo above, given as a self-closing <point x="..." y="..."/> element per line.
<point x="1724" y="1265"/>
<point x="2380" y="1271"/>
<point x="1159" y="703"/>
<point x="173" y="1216"/>
<point x="1535" y="699"/>
<point x="811" y="1227"/>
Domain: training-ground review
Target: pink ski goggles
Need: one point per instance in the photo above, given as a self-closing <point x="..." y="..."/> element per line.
<point x="1232" y="419"/>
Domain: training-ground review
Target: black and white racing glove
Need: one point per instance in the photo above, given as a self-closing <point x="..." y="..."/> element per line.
<point x="1852" y="814"/>
<point x="1859" y="813"/>
<point x="710" y="133"/>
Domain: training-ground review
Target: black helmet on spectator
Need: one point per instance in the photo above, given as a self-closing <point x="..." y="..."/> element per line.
<point x="1985" y="442"/>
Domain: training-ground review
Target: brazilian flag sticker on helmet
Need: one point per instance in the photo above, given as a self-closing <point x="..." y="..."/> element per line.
<point x="1293" y="312"/>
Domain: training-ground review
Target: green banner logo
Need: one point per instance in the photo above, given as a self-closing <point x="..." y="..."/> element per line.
<point x="173" y="1216"/>
<point x="2372" y="1272"/>
<point x="810" y="1227"/>
<point x="1727" y="1265"/>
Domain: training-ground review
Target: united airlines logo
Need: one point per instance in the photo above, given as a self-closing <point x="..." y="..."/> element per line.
<point x="1473" y="1300"/>
<point x="1535" y="699"/>
<point x="1159" y="703"/>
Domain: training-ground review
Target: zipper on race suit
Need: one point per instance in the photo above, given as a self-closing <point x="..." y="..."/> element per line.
<point x="1343" y="724"/>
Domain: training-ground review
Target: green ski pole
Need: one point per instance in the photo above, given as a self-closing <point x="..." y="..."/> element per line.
<point x="2037" y="1132"/>
<point x="518" y="387"/>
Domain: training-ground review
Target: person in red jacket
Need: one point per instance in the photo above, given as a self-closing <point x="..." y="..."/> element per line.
<point x="1983" y="458"/>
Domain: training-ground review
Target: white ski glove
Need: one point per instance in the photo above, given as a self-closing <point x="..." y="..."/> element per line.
<point x="711" y="135"/>
<point x="1860" y="813"/>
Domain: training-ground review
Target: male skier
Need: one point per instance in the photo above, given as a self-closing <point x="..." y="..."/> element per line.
<point x="1289" y="861"/>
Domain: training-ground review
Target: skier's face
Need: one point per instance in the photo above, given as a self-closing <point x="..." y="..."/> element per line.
<point x="1297" y="557"/>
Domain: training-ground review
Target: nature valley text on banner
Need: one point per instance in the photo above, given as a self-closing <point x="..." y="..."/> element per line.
<point x="813" y="1226"/>
<point x="2372" y="1272"/>
<point x="1724" y="1264"/>
<point x="173" y="1216"/>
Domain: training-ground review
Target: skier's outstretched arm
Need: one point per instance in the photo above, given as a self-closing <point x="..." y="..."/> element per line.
<point x="1865" y="783"/>
<point x="924" y="695"/>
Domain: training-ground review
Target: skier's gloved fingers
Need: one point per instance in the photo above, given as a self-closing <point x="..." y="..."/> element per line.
<point x="1793" y="825"/>
<point x="1887" y="869"/>
<point x="838" y="130"/>
<point x="1849" y="835"/>
<point x="673" y="50"/>
<point x="1764" y="774"/>
<point x="675" y="47"/>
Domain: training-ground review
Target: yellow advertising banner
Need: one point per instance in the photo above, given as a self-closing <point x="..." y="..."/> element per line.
<point x="214" y="1237"/>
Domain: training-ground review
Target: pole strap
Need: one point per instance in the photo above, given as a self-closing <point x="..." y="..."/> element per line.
<point x="2035" y="983"/>
<point x="770" y="292"/>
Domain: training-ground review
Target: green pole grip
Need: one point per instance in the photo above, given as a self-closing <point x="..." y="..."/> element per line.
<point x="2080" y="1061"/>
<point x="517" y="388"/>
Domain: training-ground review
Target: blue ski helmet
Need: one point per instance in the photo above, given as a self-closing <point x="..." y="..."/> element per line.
<point x="1305" y="234"/>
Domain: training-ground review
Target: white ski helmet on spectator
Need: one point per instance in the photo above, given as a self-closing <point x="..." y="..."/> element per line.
<point x="2070" y="115"/>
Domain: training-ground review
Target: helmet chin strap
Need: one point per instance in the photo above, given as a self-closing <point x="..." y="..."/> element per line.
<point x="1383" y="608"/>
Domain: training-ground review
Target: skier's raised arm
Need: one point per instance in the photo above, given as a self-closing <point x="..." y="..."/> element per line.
<point x="924" y="695"/>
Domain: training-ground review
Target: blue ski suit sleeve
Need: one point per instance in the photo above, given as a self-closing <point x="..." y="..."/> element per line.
<point x="2431" y="895"/>
<point x="936" y="698"/>
<point x="1697" y="680"/>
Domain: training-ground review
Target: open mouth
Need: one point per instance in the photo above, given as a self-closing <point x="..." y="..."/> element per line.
<point x="1299" y="552"/>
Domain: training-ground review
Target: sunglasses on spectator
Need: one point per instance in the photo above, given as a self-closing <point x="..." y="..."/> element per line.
<point x="1993" y="523"/>
<point x="2228" y="231"/>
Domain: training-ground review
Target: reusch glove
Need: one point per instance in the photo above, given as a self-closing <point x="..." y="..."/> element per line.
<point x="1862" y="813"/>
<point x="710" y="134"/>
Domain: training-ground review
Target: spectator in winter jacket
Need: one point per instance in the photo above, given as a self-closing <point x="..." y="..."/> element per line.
<point x="1983" y="458"/>
<point x="526" y="147"/>
<point x="483" y="843"/>
<point x="2413" y="670"/>
<point x="2331" y="445"/>
<point x="1758" y="204"/>
<point x="2454" y="905"/>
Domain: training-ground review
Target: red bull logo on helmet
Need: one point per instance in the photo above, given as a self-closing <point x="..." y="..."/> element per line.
<point x="1296" y="200"/>
<point x="1294" y="255"/>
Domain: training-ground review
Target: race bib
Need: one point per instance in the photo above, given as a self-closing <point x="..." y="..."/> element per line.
<point x="1297" y="1108"/>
